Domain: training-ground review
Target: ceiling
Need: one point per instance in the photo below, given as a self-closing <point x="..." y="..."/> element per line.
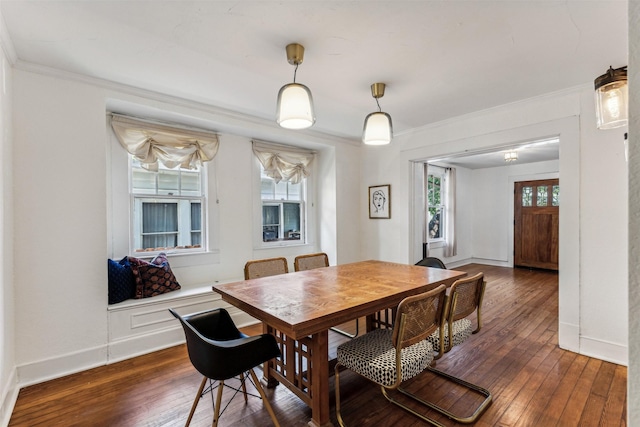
<point x="439" y="59"/>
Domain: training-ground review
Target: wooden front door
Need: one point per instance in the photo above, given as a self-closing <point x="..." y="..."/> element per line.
<point x="536" y="214"/>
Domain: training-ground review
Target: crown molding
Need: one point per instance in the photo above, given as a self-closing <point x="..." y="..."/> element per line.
<point x="226" y="119"/>
<point x="6" y="43"/>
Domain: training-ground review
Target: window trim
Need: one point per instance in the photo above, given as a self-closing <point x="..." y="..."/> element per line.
<point x="307" y="220"/>
<point x="440" y="172"/>
<point x="119" y="211"/>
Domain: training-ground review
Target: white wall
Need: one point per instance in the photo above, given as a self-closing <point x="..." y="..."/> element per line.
<point x="587" y="317"/>
<point x="8" y="379"/>
<point x="63" y="213"/>
<point x="493" y="205"/>
<point x="633" y="375"/>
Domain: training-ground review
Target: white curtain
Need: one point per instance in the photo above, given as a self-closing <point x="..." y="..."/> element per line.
<point x="151" y="143"/>
<point x="284" y="163"/>
<point x="451" y="247"/>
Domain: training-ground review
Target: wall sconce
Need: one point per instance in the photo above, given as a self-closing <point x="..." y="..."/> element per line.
<point x="295" y="103"/>
<point x="612" y="98"/>
<point x="510" y="156"/>
<point x="378" y="129"/>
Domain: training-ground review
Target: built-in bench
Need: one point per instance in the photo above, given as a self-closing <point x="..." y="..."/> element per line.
<point x="140" y="326"/>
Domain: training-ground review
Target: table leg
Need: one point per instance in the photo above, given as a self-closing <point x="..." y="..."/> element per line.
<point x="320" y="380"/>
<point x="267" y="378"/>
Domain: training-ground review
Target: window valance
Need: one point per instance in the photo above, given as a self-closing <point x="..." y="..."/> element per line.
<point x="151" y="143"/>
<point x="284" y="163"/>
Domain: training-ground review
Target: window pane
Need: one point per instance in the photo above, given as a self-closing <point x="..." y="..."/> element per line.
<point x="281" y="191"/>
<point x="542" y="199"/>
<point x="291" y="213"/>
<point x="527" y="196"/>
<point x="556" y="196"/>
<point x="190" y="183"/>
<point x="295" y="191"/>
<point x="267" y="188"/>
<point x="433" y="190"/>
<point x="143" y="181"/>
<point x="159" y="225"/>
<point x="435" y="222"/>
<point x="168" y="182"/>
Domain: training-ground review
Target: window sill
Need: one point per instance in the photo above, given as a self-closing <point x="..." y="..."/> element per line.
<point x="437" y="244"/>
<point x="188" y="259"/>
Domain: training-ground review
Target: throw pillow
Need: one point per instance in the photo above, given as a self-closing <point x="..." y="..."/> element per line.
<point x="153" y="278"/>
<point x="121" y="282"/>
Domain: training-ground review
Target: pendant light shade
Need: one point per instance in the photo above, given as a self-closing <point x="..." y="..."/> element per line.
<point x="295" y="103"/>
<point x="612" y="99"/>
<point x="378" y="129"/>
<point x="295" y="107"/>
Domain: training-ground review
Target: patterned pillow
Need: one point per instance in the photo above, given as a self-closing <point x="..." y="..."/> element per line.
<point x="153" y="278"/>
<point x="122" y="285"/>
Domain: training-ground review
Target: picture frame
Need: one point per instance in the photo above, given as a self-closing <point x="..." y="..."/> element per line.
<point x="380" y="201"/>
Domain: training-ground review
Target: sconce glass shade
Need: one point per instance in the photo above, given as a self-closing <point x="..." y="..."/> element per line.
<point x="378" y="129"/>
<point x="510" y="156"/>
<point x="295" y="107"/>
<point x="612" y="99"/>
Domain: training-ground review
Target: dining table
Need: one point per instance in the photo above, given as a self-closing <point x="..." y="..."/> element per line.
<point x="299" y="308"/>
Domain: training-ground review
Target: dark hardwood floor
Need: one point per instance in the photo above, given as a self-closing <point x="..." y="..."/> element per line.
<point x="515" y="356"/>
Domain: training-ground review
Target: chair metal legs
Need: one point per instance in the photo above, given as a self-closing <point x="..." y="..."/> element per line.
<point x="347" y="334"/>
<point x="218" y="403"/>
<point x="461" y="419"/>
<point x="458" y="418"/>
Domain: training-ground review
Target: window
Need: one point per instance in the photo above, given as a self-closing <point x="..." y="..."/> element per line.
<point x="168" y="209"/>
<point x="283" y="210"/>
<point x="435" y="204"/>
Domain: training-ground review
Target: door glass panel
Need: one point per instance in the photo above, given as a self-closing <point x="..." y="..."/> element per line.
<point x="527" y="196"/>
<point x="555" y="201"/>
<point x="542" y="199"/>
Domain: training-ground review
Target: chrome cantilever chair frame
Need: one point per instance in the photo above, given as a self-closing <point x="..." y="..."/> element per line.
<point x="465" y="297"/>
<point x="319" y="260"/>
<point x="219" y="351"/>
<point x="368" y="355"/>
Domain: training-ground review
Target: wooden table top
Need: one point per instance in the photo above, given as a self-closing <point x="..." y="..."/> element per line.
<point x="307" y="302"/>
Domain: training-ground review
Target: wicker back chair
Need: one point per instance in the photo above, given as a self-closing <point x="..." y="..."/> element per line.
<point x="465" y="297"/>
<point x="310" y="261"/>
<point x="265" y="267"/>
<point x="388" y="357"/>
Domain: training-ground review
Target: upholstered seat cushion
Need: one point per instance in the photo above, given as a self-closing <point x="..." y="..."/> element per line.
<point x="373" y="356"/>
<point x="461" y="331"/>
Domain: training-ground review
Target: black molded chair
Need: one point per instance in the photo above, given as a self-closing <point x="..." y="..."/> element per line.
<point x="431" y="261"/>
<point x="219" y="351"/>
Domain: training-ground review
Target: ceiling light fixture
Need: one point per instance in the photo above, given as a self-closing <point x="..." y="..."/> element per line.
<point x="295" y="103"/>
<point x="378" y="129"/>
<point x="510" y="156"/>
<point x="612" y="98"/>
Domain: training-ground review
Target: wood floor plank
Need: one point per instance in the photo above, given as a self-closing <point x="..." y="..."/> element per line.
<point x="515" y="356"/>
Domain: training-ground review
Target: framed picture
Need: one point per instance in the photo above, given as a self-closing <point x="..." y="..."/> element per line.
<point x="380" y="202"/>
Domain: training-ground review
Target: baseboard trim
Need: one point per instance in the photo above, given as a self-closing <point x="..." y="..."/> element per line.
<point x="60" y="366"/>
<point x="10" y="392"/>
<point x="604" y="350"/>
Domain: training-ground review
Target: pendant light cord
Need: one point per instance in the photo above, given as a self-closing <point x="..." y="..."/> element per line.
<point x="295" y="72"/>
<point x="377" y="102"/>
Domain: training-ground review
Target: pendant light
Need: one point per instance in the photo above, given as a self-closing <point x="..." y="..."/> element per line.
<point x="295" y="103"/>
<point x="612" y="98"/>
<point x="378" y="129"/>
